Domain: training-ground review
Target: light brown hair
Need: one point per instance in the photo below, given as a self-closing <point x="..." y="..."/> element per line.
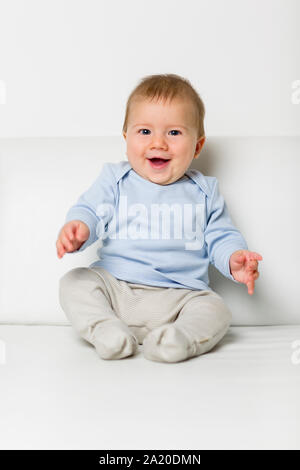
<point x="167" y="86"/>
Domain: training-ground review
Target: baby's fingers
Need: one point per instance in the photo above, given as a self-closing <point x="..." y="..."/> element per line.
<point x="251" y="280"/>
<point x="68" y="245"/>
<point x="250" y="286"/>
<point x="69" y="232"/>
<point x="60" y="249"/>
<point x="252" y="266"/>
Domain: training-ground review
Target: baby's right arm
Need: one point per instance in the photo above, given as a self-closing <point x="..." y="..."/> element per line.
<point x="87" y="218"/>
<point x="71" y="237"/>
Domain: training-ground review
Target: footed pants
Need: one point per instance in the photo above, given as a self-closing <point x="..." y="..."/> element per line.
<point x="172" y="324"/>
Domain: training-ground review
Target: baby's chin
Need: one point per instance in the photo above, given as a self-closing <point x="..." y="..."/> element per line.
<point x="164" y="176"/>
<point x="163" y="180"/>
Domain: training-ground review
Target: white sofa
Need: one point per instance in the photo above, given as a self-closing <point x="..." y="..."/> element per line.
<point x="56" y="393"/>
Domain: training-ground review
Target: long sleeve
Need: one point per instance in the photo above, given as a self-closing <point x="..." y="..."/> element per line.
<point x="221" y="237"/>
<point x="95" y="206"/>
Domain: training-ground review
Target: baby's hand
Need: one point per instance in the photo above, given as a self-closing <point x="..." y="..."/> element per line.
<point x="72" y="235"/>
<point x="243" y="267"/>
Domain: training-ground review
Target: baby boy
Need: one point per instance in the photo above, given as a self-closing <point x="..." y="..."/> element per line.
<point x="161" y="224"/>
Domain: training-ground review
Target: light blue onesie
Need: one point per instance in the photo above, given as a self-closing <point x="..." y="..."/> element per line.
<point x="159" y="235"/>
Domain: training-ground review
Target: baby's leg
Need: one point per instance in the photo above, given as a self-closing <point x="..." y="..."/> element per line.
<point x="202" y="323"/>
<point x="85" y="299"/>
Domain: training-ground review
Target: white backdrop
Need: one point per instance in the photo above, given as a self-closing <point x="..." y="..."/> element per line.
<point x="66" y="70"/>
<point x="69" y="65"/>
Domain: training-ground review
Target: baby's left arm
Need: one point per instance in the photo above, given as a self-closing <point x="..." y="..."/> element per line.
<point x="243" y="267"/>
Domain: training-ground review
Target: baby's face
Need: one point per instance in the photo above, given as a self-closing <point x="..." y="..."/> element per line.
<point x="162" y="129"/>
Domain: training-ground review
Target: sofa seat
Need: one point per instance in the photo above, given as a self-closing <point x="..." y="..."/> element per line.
<point x="56" y="393"/>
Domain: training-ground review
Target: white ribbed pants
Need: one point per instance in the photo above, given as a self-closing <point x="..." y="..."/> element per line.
<point x="173" y="324"/>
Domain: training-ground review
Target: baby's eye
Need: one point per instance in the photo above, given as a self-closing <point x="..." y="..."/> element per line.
<point x="173" y="130"/>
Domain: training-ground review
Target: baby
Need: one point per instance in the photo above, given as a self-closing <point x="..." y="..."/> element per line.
<point x="161" y="224"/>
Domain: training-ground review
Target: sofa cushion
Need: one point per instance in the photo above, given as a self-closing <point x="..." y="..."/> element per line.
<point x="41" y="178"/>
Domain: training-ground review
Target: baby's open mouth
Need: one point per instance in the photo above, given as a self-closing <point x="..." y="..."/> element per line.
<point x="158" y="162"/>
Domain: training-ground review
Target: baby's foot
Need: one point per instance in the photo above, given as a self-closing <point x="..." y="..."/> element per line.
<point x="114" y="341"/>
<point x="168" y="343"/>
